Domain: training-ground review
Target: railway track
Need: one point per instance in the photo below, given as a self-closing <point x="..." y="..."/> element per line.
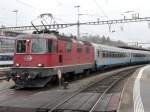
<point x="85" y="99"/>
<point x="94" y="94"/>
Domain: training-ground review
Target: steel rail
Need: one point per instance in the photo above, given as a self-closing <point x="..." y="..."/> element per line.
<point x="79" y="91"/>
<point x="101" y="96"/>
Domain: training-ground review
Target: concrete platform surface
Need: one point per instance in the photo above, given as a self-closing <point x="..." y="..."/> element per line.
<point x="136" y="95"/>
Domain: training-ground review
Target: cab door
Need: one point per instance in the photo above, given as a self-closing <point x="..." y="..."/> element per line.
<point x="60" y="52"/>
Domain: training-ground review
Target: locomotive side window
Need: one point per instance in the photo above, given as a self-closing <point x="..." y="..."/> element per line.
<point x="39" y="46"/>
<point x="68" y="46"/>
<point x="49" y="45"/>
<point x="21" y="46"/>
<point x="87" y="50"/>
<point x="52" y="46"/>
<point x="79" y="48"/>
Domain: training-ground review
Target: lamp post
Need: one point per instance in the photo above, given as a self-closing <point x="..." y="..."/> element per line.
<point x="16" y="12"/>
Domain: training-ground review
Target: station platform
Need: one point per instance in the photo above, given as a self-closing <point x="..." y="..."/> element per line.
<point x="136" y="93"/>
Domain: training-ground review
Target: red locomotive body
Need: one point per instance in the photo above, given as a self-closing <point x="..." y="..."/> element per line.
<point x="38" y="58"/>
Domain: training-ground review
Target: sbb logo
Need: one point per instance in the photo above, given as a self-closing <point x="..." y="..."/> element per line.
<point x="28" y="58"/>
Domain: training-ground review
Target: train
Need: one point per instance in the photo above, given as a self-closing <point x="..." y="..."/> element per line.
<point x="6" y="59"/>
<point x="39" y="57"/>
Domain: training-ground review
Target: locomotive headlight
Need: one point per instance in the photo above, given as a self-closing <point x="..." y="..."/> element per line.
<point x="28" y="40"/>
<point x="29" y="77"/>
<point x="17" y="64"/>
<point x="40" y="65"/>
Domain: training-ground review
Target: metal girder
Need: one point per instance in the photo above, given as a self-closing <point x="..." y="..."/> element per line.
<point x="118" y="21"/>
<point x="60" y="26"/>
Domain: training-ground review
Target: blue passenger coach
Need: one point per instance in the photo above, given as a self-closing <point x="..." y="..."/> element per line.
<point x="106" y="56"/>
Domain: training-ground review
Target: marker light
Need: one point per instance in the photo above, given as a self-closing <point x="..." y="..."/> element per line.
<point x="17" y="64"/>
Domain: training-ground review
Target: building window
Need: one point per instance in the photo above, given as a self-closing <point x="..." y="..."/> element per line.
<point x="98" y="53"/>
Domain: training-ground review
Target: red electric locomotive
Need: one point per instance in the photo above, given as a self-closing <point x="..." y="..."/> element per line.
<point x="38" y="57"/>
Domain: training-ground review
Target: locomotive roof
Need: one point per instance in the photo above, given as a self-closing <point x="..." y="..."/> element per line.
<point x="53" y="36"/>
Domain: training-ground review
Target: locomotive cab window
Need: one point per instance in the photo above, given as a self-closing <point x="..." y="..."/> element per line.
<point x="39" y="46"/>
<point x="21" y="46"/>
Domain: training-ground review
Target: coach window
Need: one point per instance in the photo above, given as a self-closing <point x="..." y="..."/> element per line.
<point x="68" y="46"/>
<point x="110" y="54"/>
<point x="117" y="54"/>
<point x="114" y="54"/>
<point x="120" y="54"/>
<point x="125" y="55"/>
<point x="98" y="53"/>
<point x="21" y="46"/>
<point x="106" y="54"/>
<point x="103" y="53"/>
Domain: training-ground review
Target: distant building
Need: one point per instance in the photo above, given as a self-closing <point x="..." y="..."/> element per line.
<point x="9" y="33"/>
<point x="7" y="41"/>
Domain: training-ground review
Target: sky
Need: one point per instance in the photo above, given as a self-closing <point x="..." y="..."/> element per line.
<point x="65" y="12"/>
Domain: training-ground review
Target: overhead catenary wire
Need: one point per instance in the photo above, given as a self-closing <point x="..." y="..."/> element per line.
<point x="103" y="12"/>
<point x="100" y="8"/>
<point x="35" y="8"/>
<point x="28" y="5"/>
